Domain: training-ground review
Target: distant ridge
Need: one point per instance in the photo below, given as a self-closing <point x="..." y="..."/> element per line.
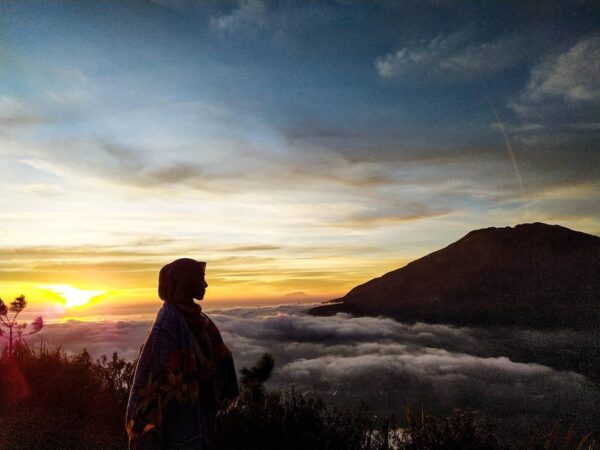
<point x="532" y="275"/>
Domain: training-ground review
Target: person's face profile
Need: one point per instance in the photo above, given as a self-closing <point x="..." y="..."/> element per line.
<point x="201" y="287"/>
<point x="198" y="281"/>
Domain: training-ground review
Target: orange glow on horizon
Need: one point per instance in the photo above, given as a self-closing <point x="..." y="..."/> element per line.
<point x="111" y="289"/>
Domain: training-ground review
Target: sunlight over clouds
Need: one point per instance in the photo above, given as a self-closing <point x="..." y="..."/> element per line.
<point x="73" y="296"/>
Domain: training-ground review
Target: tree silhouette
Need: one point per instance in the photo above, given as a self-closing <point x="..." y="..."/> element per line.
<point x="254" y="378"/>
<point x="12" y="330"/>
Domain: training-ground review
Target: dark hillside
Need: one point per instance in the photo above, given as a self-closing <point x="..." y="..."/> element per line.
<point x="534" y="275"/>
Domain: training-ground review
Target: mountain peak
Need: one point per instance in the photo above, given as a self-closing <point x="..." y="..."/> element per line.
<point x="534" y="273"/>
<point x="523" y="228"/>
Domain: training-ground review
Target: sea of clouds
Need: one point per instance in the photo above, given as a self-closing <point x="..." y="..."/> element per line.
<point x="384" y="362"/>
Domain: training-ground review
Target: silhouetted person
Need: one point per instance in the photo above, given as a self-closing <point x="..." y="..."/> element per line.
<point x="184" y="371"/>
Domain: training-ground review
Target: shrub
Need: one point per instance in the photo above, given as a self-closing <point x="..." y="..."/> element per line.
<point x="53" y="400"/>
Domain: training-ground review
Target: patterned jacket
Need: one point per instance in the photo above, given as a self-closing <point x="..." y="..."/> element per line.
<point x="176" y="389"/>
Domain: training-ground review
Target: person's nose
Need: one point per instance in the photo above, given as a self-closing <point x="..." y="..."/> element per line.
<point x="205" y="284"/>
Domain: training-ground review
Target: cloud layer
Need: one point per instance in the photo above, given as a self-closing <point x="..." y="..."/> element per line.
<point x="385" y="362"/>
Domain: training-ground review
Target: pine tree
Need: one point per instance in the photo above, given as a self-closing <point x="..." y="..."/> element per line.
<point x="12" y="330"/>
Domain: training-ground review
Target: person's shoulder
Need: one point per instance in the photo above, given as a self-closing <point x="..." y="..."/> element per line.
<point x="168" y="312"/>
<point x="211" y="327"/>
<point x="169" y="317"/>
<point x="208" y="320"/>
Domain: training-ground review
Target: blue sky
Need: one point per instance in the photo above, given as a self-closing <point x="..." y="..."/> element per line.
<point x="299" y="146"/>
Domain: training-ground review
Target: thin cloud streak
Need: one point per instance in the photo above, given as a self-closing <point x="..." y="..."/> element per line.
<point x="509" y="149"/>
<point x="452" y="57"/>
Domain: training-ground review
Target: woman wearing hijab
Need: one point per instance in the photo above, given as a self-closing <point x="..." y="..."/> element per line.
<point x="184" y="372"/>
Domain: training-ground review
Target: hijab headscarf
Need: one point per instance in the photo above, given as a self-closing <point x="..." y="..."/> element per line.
<point x="179" y="283"/>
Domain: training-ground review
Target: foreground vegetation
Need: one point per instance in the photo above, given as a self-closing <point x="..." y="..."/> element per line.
<point x="52" y="400"/>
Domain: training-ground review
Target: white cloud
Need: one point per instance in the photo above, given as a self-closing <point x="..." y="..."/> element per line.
<point x="124" y="337"/>
<point x="249" y="12"/>
<point x="563" y="94"/>
<point x="573" y="76"/>
<point x="380" y="360"/>
<point x="451" y="55"/>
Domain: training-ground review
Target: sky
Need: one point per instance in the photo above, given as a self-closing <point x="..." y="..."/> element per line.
<point x="300" y="148"/>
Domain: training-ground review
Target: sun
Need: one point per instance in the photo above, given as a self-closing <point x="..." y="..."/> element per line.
<point x="74" y="296"/>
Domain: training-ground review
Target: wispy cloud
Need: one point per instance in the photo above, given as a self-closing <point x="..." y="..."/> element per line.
<point x="564" y="90"/>
<point x="386" y="217"/>
<point x="15" y="115"/>
<point x="43" y="189"/>
<point x="452" y="57"/>
<point x="252" y="248"/>
<point x="573" y="76"/>
<point x="247" y="13"/>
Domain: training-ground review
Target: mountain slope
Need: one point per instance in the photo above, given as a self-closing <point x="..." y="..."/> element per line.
<point x="533" y="274"/>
